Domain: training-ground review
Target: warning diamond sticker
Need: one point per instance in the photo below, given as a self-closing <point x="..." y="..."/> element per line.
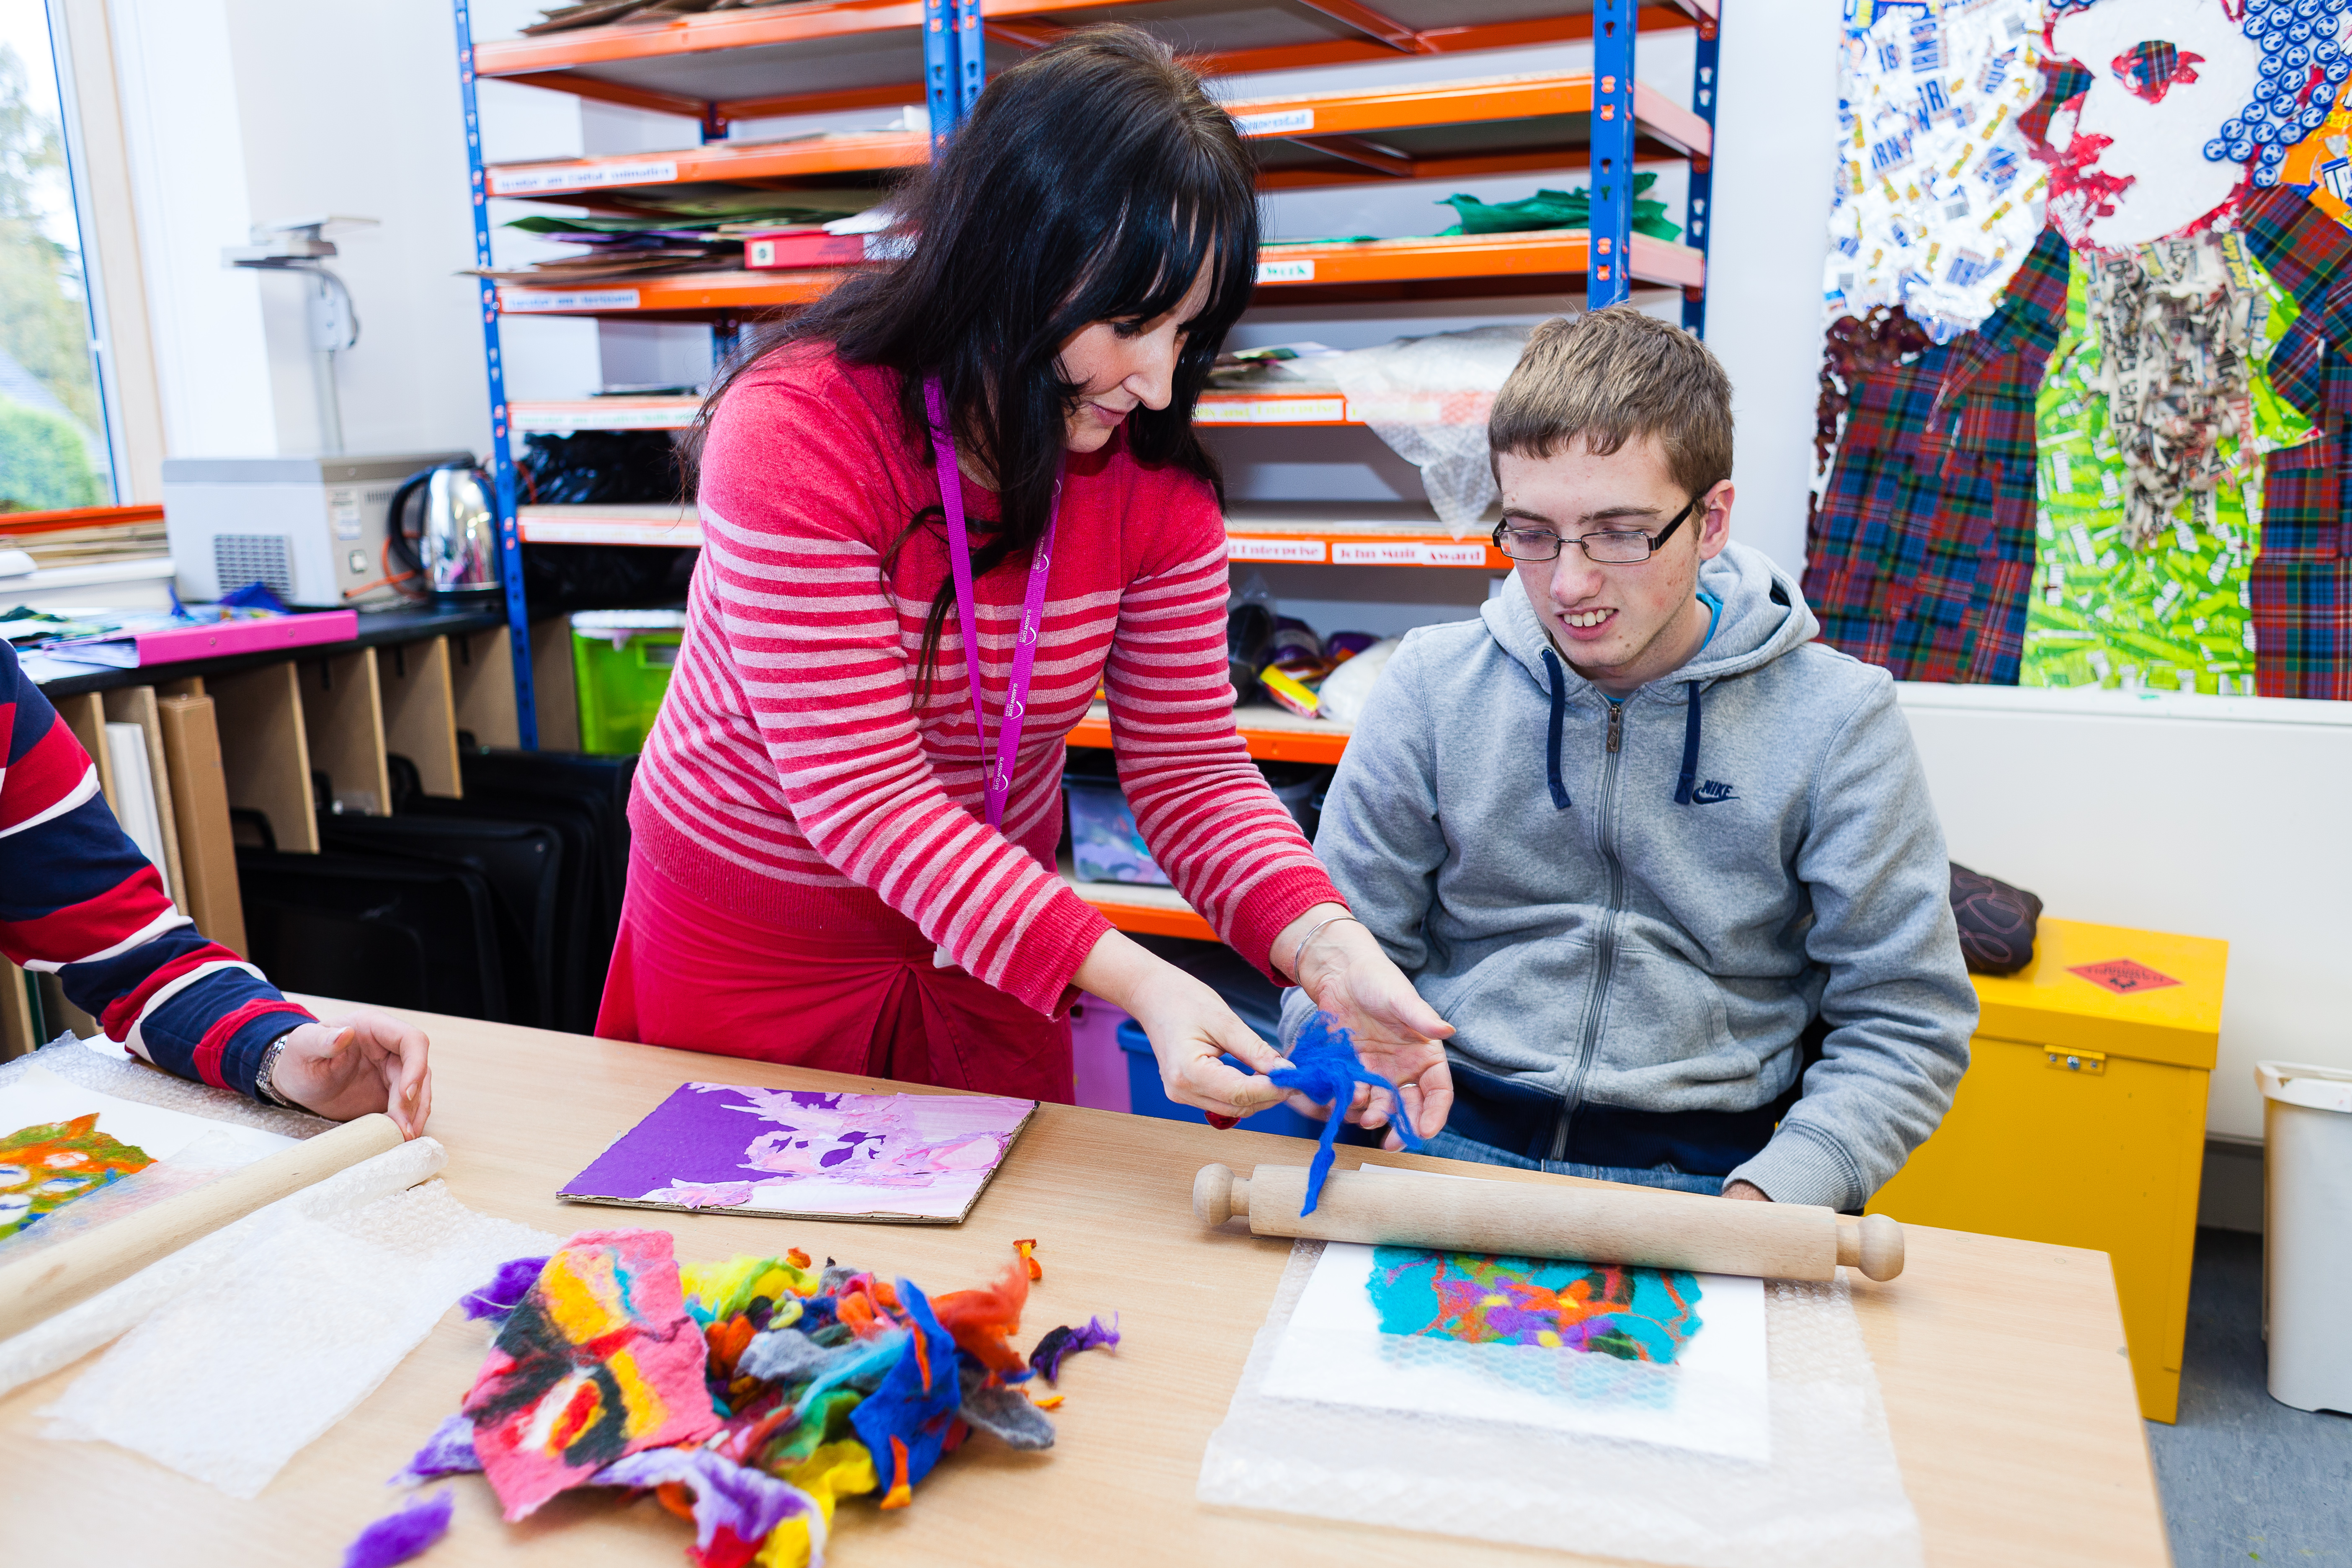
<point x="2123" y="976"/>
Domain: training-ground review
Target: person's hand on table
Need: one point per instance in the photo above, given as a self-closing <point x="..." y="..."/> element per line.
<point x="361" y="1062"/>
<point x="1747" y="1190"/>
<point x="1397" y="1033"/>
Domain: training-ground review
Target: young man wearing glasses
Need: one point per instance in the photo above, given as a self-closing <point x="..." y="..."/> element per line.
<point x="1667" y="864"/>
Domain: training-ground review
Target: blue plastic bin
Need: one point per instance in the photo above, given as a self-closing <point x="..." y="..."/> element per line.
<point x="1150" y="1099"/>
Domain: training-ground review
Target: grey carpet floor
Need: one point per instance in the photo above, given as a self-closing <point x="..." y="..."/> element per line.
<point x="2243" y="1477"/>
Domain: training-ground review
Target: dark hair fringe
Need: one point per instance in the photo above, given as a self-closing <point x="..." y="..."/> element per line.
<point x="1092" y="183"/>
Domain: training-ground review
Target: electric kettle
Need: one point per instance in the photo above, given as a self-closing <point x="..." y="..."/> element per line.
<point x="450" y="539"/>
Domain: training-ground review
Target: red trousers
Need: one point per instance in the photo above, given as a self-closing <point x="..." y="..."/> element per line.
<point x="689" y="975"/>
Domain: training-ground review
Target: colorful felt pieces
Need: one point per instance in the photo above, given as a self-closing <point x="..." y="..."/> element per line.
<point x="51" y="1163"/>
<point x="598" y="1361"/>
<point x="1059" y="1344"/>
<point x="734" y="1507"/>
<point x="748" y="1395"/>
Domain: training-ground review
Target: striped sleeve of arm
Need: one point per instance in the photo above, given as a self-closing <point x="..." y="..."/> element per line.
<point x="78" y="900"/>
<point x="1211" y="821"/>
<point x="797" y="591"/>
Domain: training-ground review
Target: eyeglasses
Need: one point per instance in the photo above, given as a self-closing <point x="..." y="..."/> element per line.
<point x="1612" y="547"/>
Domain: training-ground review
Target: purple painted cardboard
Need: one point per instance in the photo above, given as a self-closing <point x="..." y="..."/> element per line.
<point x="807" y="1153"/>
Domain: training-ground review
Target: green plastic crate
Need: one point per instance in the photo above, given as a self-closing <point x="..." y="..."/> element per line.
<point x="621" y="664"/>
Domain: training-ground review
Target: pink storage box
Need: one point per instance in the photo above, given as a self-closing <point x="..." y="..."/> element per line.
<point x="1093" y="1045"/>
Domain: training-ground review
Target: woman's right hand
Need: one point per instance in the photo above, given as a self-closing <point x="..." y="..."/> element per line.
<point x="1190" y="1027"/>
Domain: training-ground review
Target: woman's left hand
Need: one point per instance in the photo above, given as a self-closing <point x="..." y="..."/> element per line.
<point x="1397" y="1033"/>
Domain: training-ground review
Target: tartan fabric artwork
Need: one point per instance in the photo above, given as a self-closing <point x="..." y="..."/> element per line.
<point x="2172" y="610"/>
<point x="1921" y="546"/>
<point x="2309" y="254"/>
<point x="2301" y="586"/>
<point x="2136" y="470"/>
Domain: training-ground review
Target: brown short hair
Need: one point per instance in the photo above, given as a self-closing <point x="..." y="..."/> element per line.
<point x="1614" y="375"/>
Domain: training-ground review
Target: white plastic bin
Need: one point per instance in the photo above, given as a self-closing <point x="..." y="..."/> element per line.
<point x="2307" y="1218"/>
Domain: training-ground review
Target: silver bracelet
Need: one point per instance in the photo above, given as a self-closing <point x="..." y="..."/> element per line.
<point x="262" y="1089"/>
<point x="1298" y="954"/>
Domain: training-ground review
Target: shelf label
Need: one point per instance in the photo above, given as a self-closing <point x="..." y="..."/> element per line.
<point x="1241" y="548"/>
<point x="1299" y="271"/>
<point x="581" y="177"/>
<point x="569" y="419"/>
<point x="518" y="302"/>
<point x="592" y="530"/>
<point x="1464" y="408"/>
<point x="1409" y="552"/>
<point x="1277" y="123"/>
<point x="1272" y="411"/>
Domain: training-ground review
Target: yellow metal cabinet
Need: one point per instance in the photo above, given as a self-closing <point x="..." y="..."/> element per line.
<point x="2081" y="1121"/>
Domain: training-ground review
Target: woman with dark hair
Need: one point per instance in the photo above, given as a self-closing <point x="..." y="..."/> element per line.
<point x="939" y="509"/>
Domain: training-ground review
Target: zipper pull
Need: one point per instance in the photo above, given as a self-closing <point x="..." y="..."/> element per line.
<point x="1616" y="724"/>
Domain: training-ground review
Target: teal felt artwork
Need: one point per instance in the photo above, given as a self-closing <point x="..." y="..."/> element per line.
<point x="1649" y="1355"/>
<point x="1633" y="1314"/>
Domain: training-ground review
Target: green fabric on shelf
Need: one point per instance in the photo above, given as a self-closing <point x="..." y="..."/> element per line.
<point x="1555" y="209"/>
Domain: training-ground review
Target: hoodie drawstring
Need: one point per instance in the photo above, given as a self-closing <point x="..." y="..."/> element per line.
<point x="1558" y="723"/>
<point x="1689" y="779"/>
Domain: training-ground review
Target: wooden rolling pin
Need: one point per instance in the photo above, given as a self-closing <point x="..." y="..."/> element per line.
<point x="51" y="1280"/>
<point x="1605" y="1225"/>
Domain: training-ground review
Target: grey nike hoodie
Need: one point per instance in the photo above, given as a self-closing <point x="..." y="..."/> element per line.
<point x="1645" y="908"/>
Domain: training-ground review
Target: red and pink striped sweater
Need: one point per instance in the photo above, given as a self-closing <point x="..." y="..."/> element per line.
<point x="795" y="778"/>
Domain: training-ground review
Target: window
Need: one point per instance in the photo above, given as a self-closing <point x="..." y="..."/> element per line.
<point x="53" y="424"/>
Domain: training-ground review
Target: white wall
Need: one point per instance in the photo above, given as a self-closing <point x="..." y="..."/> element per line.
<point x="1775" y="132"/>
<point x="244" y="111"/>
<point x="2213" y="816"/>
<point x="353" y="109"/>
<point x="180" y="121"/>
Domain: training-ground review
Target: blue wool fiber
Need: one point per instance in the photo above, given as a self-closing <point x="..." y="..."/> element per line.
<point x="397" y="1537"/>
<point x="1325" y="1068"/>
<point x="917" y="1400"/>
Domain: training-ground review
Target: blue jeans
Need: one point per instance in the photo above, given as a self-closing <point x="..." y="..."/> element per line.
<point x="1450" y="1145"/>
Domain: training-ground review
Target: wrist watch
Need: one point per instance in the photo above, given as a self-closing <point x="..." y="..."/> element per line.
<point x="262" y="1084"/>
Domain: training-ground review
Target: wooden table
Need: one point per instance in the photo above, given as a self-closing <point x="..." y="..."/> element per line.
<point x="2002" y="1363"/>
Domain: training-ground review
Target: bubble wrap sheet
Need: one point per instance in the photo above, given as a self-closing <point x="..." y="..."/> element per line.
<point x="76" y="1063"/>
<point x="81" y="1329"/>
<point x="1831" y="1495"/>
<point x="261" y="1356"/>
<point x="1429" y="399"/>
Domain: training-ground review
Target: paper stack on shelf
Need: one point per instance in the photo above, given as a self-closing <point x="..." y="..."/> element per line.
<point x="682" y="229"/>
<point x="56" y="548"/>
<point x="1277" y="367"/>
<point x="603" y="13"/>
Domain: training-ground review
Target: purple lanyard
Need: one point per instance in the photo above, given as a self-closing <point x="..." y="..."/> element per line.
<point x="1033" y="610"/>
